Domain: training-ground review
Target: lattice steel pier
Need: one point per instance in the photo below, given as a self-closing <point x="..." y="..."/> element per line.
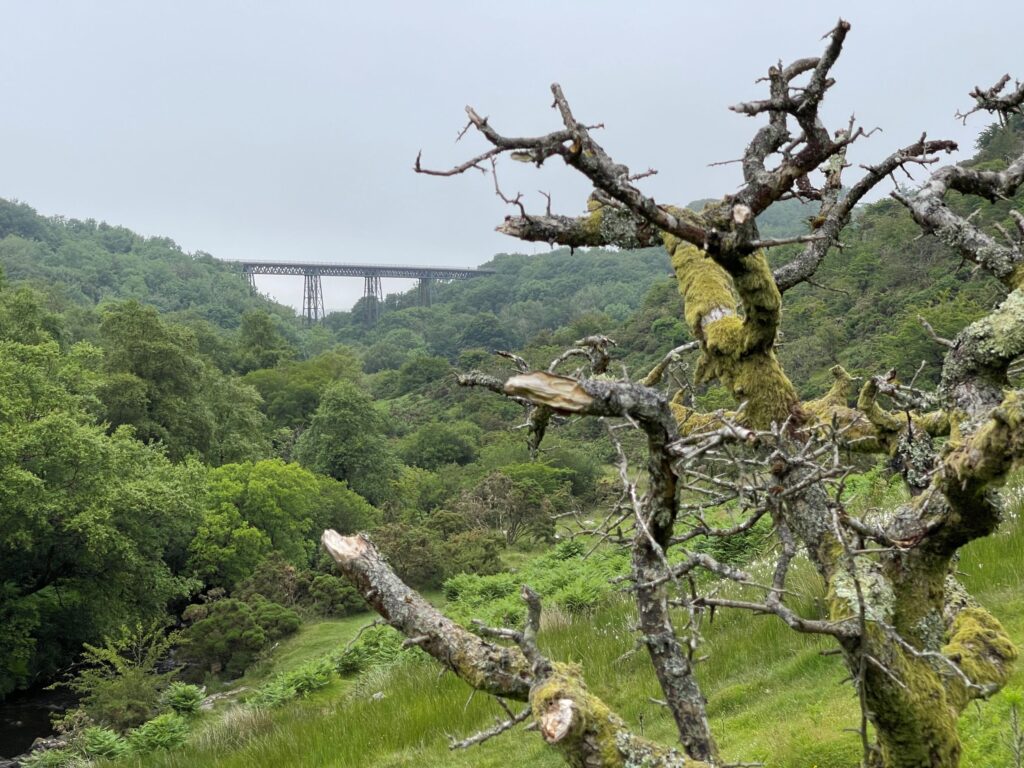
<point x="312" y="272"/>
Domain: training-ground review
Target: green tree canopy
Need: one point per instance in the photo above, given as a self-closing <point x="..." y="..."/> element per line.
<point x="346" y="441"/>
<point x="159" y="384"/>
<point x="260" y="343"/>
<point x="93" y="527"/>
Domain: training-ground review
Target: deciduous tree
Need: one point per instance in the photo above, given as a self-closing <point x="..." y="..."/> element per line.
<point x="345" y="440"/>
<point x="917" y="647"/>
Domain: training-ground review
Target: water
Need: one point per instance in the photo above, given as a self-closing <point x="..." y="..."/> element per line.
<point x="25" y="716"/>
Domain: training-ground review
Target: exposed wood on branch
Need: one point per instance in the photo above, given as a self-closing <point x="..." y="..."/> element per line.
<point x="498" y="670"/>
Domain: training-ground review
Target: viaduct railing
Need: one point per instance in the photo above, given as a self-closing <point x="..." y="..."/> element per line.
<point x="312" y="273"/>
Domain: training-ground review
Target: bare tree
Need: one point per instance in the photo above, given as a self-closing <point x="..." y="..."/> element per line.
<point x="917" y="646"/>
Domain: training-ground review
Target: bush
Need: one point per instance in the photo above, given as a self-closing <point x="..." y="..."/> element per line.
<point x="124" y="700"/>
<point x="520" y="499"/>
<point x="309" y="677"/>
<point x="229" y="634"/>
<point x="275" y="579"/>
<point x="570" y="549"/>
<point x="417" y="372"/>
<point x="584" y="470"/>
<point x="331" y="596"/>
<point x="119" y="685"/>
<point x="580" y="596"/>
<point x="182" y="698"/>
<point x="228" y="637"/>
<point x="375" y="647"/>
<point x="739" y="549"/>
<point x="166" y="731"/>
<point x="413" y="553"/>
<point x="275" y="620"/>
<point x="472" y="552"/>
<point x="273" y="694"/>
<point x="454" y="587"/>
<point x="97" y="742"/>
<point x="52" y="758"/>
<point x="436" y="444"/>
<point x="562" y="579"/>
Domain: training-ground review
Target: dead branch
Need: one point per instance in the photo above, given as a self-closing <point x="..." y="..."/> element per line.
<point x="496" y="730"/>
<point x="654" y="377"/>
<point x="498" y="670"/>
<point x="933" y="335"/>
<point x="995" y="101"/>
<point x="836" y="208"/>
<point x="934" y="216"/>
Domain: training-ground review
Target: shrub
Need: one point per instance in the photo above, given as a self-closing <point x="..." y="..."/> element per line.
<point x="581" y="595"/>
<point x="331" y="596"/>
<point x="569" y="549"/>
<point x="52" y="758"/>
<point x="417" y="372"/>
<point x="472" y="552"/>
<point x="571" y="583"/>
<point x="165" y="731"/>
<point x="520" y="499"/>
<point x="311" y="676"/>
<point x="878" y="488"/>
<point x="455" y="586"/>
<point x="97" y="742"/>
<point x="228" y="638"/>
<point x="584" y="470"/>
<point x="273" y="694"/>
<point x="124" y="700"/>
<point x="275" y="620"/>
<point x="740" y="548"/>
<point x="375" y="647"/>
<point x="413" y="553"/>
<point x="119" y="685"/>
<point x="301" y="681"/>
<point x="436" y="444"/>
<point x="275" y="579"/>
<point x="183" y="698"/>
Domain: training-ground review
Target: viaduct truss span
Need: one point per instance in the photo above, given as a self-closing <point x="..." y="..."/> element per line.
<point x="313" y="271"/>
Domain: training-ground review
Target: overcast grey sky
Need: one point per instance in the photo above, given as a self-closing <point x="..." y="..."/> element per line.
<point x="273" y="130"/>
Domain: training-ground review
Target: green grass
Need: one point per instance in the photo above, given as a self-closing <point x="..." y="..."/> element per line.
<point x="313" y="640"/>
<point x="772" y="696"/>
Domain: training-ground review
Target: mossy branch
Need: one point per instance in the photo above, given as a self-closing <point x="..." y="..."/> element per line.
<point x="575" y="722"/>
<point x="498" y="670"/>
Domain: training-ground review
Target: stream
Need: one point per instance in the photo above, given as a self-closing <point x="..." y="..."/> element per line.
<point x="25" y="716"/>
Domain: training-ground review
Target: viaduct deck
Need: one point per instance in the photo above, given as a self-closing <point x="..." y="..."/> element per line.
<point x="313" y="271"/>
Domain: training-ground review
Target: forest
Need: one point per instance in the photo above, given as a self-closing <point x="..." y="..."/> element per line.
<point x="173" y="444"/>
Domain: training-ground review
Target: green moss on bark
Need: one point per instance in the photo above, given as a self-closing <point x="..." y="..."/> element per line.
<point x="915" y="721"/>
<point x="596" y="737"/>
<point x="983" y="650"/>
<point x="736" y="351"/>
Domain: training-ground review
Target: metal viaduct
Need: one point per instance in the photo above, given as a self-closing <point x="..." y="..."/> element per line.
<point x="313" y="271"/>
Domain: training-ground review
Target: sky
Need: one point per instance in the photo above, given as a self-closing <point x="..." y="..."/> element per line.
<point x="288" y="130"/>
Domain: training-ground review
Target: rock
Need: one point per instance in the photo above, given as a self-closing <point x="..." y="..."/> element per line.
<point x="44" y="743"/>
<point x="210" y="701"/>
<point x="378" y="696"/>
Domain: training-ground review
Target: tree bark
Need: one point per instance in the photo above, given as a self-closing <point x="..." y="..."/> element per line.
<point x="571" y="719"/>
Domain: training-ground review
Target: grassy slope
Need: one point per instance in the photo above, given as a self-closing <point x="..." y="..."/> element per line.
<point x="773" y="697"/>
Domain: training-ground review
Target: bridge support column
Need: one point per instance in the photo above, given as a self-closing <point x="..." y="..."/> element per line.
<point x="251" y="278"/>
<point x="374" y="295"/>
<point x="426" y="287"/>
<point x="312" y="297"/>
